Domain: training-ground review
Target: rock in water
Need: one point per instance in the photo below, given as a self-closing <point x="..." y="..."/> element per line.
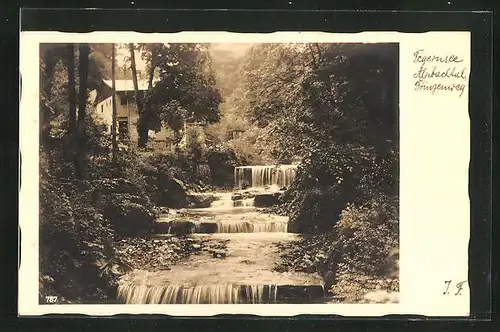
<point x="236" y="197"/>
<point x="182" y="227"/>
<point x="329" y="279"/>
<point x="162" y="227"/>
<point x="207" y="227"/>
<point x="266" y="200"/>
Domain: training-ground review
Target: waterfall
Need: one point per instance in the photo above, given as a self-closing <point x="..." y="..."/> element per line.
<point x="260" y="176"/>
<point x="248" y="202"/>
<point x="250" y="227"/>
<point x="199" y="294"/>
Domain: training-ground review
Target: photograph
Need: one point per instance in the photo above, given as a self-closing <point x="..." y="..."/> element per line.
<point x="219" y="173"/>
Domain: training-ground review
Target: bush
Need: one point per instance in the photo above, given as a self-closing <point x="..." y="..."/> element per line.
<point x="359" y="254"/>
<point x="124" y="205"/>
<point x="75" y="244"/>
<point x="79" y="221"/>
<point x="162" y="180"/>
<point x="330" y="179"/>
<point x="221" y="162"/>
<point x="368" y="236"/>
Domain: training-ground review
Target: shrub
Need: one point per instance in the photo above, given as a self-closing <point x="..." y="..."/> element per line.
<point x="75" y="243"/>
<point x="331" y="178"/>
<point x="368" y="236"/>
<point x="162" y="180"/>
<point x="359" y="254"/>
<point x="124" y="205"/>
<point x="221" y="161"/>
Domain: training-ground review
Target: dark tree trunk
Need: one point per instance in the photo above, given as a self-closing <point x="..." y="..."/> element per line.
<point x="49" y="62"/>
<point x="142" y="126"/>
<point x="70" y="54"/>
<point x="147" y="112"/>
<point x="134" y="75"/>
<point x="82" y="98"/>
<point x="143" y="106"/>
<point x="70" y="59"/>
<point x="313" y="57"/>
<point x="113" y="125"/>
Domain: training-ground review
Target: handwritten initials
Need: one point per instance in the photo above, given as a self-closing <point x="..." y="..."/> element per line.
<point x="459" y="286"/>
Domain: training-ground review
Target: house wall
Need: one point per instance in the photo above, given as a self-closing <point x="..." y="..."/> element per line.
<point x="126" y="110"/>
<point x="104" y="111"/>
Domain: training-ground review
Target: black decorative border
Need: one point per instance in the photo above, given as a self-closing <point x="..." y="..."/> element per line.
<point x="480" y="105"/>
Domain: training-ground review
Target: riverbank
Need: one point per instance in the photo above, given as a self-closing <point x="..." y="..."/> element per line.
<point x="243" y="274"/>
<point x="343" y="282"/>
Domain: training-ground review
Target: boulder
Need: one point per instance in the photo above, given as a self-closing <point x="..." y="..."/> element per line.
<point x="300" y="294"/>
<point x="172" y="193"/>
<point x="200" y="201"/>
<point x="248" y="194"/>
<point x="207" y="227"/>
<point x="128" y="217"/>
<point x="266" y="200"/>
<point x="182" y="227"/>
<point x="162" y="227"/>
<point x="236" y="196"/>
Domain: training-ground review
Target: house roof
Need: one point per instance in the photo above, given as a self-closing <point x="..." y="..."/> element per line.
<point x="128" y="85"/>
<point x="92" y="96"/>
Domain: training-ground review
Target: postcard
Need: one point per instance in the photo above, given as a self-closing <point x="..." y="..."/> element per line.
<point x="280" y="174"/>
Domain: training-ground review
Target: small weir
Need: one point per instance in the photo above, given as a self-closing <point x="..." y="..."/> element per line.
<point x="244" y="227"/>
<point x="246" y="274"/>
<point x="202" y="294"/>
<point x="219" y="294"/>
<point x="259" y="176"/>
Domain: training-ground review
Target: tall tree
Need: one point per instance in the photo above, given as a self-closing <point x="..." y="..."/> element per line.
<point x="134" y="74"/>
<point x="83" y="69"/>
<point x="70" y="59"/>
<point x="334" y="107"/>
<point x="70" y="54"/>
<point x="143" y="137"/>
<point x="186" y="88"/>
<point x="48" y="60"/>
<point x="113" y="101"/>
<point x="144" y="102"/>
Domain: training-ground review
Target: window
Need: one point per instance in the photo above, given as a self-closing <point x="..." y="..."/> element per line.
<point x="123" y="133"/>
<point x="102" y="108"/>
<point x="123" y="99"/>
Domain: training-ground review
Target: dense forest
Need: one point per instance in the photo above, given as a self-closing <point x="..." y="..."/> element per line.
<point x="331" y="108"/>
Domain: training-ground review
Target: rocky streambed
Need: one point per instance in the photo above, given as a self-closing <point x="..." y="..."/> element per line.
<point x="159" y="253"/>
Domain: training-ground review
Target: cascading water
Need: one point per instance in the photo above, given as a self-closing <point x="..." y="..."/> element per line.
<point x="245" y="274"/>
<point x="260" y="176"/>
<point x="200" y="294"/>
<point x="249" y="227"/>
<point x="226" y="215"/>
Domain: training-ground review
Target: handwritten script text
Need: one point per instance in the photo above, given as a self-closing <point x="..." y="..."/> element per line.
<point x="438" y="73"/>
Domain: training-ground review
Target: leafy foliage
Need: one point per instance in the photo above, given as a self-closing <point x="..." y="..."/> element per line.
<point x="81" y="217"/>
<point x="221" y="160"/>
<point x="75" y="241"/>
<point x="358" y="255"/>
<point x="185" y="90"/>
<point x="334" y="107"/>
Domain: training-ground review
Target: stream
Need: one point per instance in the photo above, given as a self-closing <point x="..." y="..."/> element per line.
<point x="243" y="275"/>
